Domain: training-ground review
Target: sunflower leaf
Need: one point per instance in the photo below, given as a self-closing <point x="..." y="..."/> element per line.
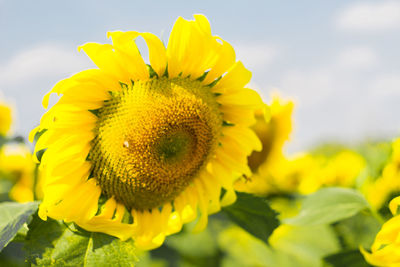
<point x="254" y="215"/>
<point x="13" y="216"/>
<point x="53" y="243"/>
<point x="329" y="205"/>
<point x="346" y="258"/>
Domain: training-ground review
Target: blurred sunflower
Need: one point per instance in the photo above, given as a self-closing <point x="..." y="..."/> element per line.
<point x="379" y="191"/>
<point x="386" y="247"/>
<point x="5" y="118"/>
<point x="304" y="173"/>
<point x="273" y="126"/>
<point x="135" y="149"/>
<point x="339" y="169"/>
<point x="17" y="165"/>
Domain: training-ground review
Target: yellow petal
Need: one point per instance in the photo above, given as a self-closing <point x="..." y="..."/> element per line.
<point x="225" y="60"/>
<point x="128" y="53"/>
<point x="236" y="78"/>
<point x="157" y="53"/>
<point x="104" y="56"/>
<point x="394" y="204"/>
<point x="203" y="207"/>
<point x="192" y="49"/>
<point x="245" y="98"/>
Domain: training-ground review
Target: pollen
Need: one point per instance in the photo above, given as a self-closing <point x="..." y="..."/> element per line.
<point x="152" y="138"/>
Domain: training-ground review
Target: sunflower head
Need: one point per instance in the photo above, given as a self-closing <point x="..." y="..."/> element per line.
<point x="16" y="164"/>
<point x="136" y="149"/>
<point x="384" y="250"/>
<point x="379" y="191"/>
<point x="273" y="126"/>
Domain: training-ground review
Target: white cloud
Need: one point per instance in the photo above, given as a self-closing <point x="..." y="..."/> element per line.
<point x="370" y="16"/>
<point x="256" y="56"/>
<point x="39" y="62"/>
<point x="386" y="86"/>
<point x="357" y="58"/>
<point x="343" y="99"/>
<point x="308" y="86"/>
<point x="341" y="76"/>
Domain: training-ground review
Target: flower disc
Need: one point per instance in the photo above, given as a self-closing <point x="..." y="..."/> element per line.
<point x="152" y="138"/>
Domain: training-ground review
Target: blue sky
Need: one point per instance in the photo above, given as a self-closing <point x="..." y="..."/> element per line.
<point x="339" y="60"/>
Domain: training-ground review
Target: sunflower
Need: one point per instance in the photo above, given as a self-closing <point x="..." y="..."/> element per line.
<point x="17" y="165"/>
<point x="5" y="118"/>
<point x="342" y="169"/>
<point x="379" y="192"/>
<point x="304" y="173"/>
<point x="386" y="246"/>
<point x="136" y="150"/>
<point x="273" y="126"/>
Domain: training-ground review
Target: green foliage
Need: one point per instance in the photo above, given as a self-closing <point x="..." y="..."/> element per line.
<point x="190" y="244"/>
<point x="329" y="205"/>
<point x="12" y="217"/>
<point x="5" y="187"/>
<point x="13" y="255"/>
<point x="376" y="156"/>
<point x="254" y="215"/>
<point x="305" y="245"/>
<point x="52" y="243"/>
<point x="351" y="258"/>
<point x="328" y="149"/>
<point x="358" y="230"/>
<point x="242" y="249"/>
<point x="146" y="260"/>
<point x="3" y="140"/>
<point x="196" y="249"/>
<point x="291" y="246"/>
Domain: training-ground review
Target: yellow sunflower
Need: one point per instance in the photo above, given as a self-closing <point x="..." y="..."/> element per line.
<point x="273" y="126"/>
<point x="5" y="118"/>
<point x="340" y="169"/>
<point x="378" y="192"/>
<point x="385" y="251"/>
<point x="16" y="163"/>
<point x="135" y="149"/>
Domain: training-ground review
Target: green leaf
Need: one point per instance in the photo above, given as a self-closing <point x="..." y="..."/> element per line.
<point x="52" y="243"/>
<point x="196" y="249"/>
<point x="329" y="205"/>
<point x="254" y="215"/>
<point x="3" y="140"/>
<point x="377" y="154"/>
<point x="351" y="258"/>
<point x="147" y="260"/>
<point x="358" y="230"/>
<point x="13" y="256"/>
<point x="12" y="217"/>
<point x="291" y="246"/>
<point x="5" y="187"/>
<point x="105" y="250"/>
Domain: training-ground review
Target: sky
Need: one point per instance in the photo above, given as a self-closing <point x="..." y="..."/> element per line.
<point x="339" y="61"/>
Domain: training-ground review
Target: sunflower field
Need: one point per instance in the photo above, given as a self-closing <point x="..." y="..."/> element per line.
<point x="176" y="160"/>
